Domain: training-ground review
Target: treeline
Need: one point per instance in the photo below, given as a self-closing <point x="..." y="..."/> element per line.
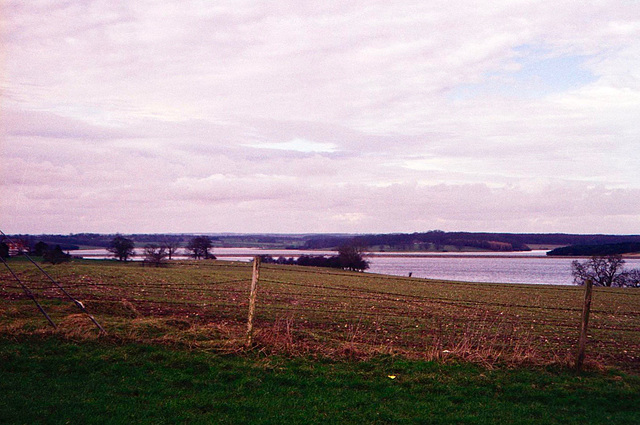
<point x="67" y="242"/>
<point x="333" y="262"/>
<point x="350" y="257"/>
<point x="439" y="240"/>
<point x="78" y="240"/>
<point x="64" y="241"/>
<point x="304" y="260"/>
<point x="597" y="250"/>
<point x="572" y="239"/>
<point x="432" y="240"/>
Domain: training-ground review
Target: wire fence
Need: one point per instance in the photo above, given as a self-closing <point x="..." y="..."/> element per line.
<point x="302" y="309"/>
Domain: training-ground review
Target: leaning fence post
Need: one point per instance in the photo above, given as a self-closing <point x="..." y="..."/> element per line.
<point x="582" y="342"/>
<point x="252" y="299"/>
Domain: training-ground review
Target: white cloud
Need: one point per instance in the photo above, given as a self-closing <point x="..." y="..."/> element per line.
<point x="358" y="116"/>
<point x="298" y="145"/>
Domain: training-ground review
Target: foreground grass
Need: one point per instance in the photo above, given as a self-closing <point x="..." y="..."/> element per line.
<point x="45" y="380"/>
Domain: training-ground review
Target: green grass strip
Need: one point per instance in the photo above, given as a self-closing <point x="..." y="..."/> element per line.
<point x="52" y="381"/>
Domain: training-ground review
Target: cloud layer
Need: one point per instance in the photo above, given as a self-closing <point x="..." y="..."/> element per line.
<point x="336" y="117"/>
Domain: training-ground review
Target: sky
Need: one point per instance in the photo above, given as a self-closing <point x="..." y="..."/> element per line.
<point x="313" y="117"/>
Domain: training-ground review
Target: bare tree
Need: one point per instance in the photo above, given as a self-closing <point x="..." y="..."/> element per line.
<point x="156" y="255"/>
<point x="121" y="248"/>
<point x="601" y="270"/>
<point x="171" y="246"/>
<point x="632" y="278"/>
<point x="351" y="256"/>
<point x="199" y="247"/>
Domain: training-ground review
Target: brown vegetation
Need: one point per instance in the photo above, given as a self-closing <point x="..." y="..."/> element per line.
<point x="321" y="312"/>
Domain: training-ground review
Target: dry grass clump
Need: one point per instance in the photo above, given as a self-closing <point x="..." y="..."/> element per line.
<point x="487" y="343"/>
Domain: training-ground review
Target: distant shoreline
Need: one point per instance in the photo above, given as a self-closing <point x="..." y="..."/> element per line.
<point x="252" y="252"/>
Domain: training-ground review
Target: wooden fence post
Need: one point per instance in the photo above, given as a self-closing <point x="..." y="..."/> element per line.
<point x="582" y="342"/>
<point x="252" y="299"/>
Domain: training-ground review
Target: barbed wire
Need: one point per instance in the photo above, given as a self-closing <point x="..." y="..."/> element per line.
<point x="379" y="295"/>
<point x="239" y="306"/>
<point x="395" y="305"/>
<point x="173" y="285"/>
<point x="422" y="297"/>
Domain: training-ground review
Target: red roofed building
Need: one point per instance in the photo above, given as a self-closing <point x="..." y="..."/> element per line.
<point x="17" y="247"/>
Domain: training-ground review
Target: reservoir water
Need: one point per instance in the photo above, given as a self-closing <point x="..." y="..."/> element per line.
<point x="532" y="267"/>
<point x="497" y="269"/>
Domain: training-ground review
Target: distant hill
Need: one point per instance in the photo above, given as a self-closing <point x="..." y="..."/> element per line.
<point x="430" y="241"/>
<point x="439" y="240"/>
<point x="434" y="240"/>
<point x="589" y="250"/>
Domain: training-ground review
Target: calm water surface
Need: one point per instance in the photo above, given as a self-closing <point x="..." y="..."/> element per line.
<point x="535" y="270"/>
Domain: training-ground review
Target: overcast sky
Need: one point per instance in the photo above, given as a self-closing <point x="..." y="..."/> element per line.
<point x="329" y="116"/>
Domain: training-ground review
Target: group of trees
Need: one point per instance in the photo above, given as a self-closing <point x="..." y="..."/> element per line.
<point x="53" y="255"/>
<point x="350" y="257"/>
<point x="607" y="270"/>
<point x="123" y="249"/>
